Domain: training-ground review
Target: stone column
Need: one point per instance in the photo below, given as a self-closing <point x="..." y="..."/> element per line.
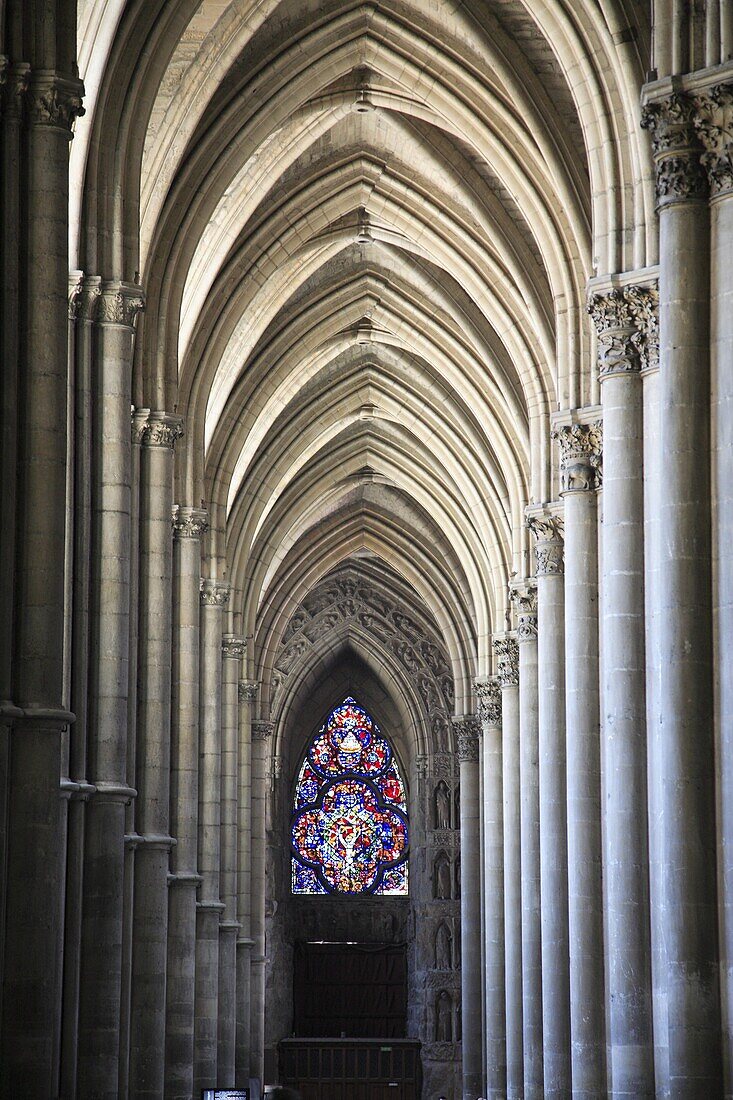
<point x="625" y="318"/>
<point x="488" y="693"/>
<point x="685" y="622"/>
<point x="580" y="446"/>
<point x="189" y="524"/>
<point x="524" y="597"/>
<point x="507" y="663"/>
<point x="714" y="124"/>
<point x="261" y="733"/>
<point x="107" y="727"/>
<point x="466" y="730"/>
<point x="214" y="597"/>
<point x="248" y="690"/>
<point x="31" y="992"/>
<point x="157" y="434"/>
<point x="232" y="654"/>
<point x="546" y="525"/>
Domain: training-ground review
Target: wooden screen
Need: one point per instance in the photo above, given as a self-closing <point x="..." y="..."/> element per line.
<point x="351" y="1070"/>
<point x="350" y="990"/>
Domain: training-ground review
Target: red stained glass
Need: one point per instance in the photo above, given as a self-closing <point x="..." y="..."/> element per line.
<point x="349" y="831"/>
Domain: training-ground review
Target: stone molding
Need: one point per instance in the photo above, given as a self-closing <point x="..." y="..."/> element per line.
<point x="262" y="730"/>
<point x="548" y="528"/>
<point x="507" y="660"/>
<point x="215" y="593"/>
<point x="627" y="322"/>
<point x="466" y="730"/>
<point x="248" y="690"/>
<point x="488" y="693"/>
<point x="581" y="454"/>
<point x="189" y="523"/>
<point x="713" y="123"/>
<point x="119" y="304"/>
<point x="676" y="148"/>
<point x="233" y="647"/>
<point x="55" y="101"/>
<point x="156" y="429"/>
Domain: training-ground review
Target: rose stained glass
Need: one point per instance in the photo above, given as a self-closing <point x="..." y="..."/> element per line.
<point x="349" y="830"/>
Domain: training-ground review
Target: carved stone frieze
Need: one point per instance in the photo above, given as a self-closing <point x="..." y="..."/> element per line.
<point x="466" y="730"/>
<point x="55" y="101"/>
<point x="262" y="730"/>
<point x="488" y="693"/>
<point x="248" y="690"/>
<point x="442" y="765"/>
<point x="507" y="660"/>
<point x="442" y="838"/>
<point x="581" y="452"/>
<point x="215" y="593"/>
<point x="156" y="429"/>
<point x="627" y="322"/>
<point x="189" y="523"/>
<point x="714" y="126"/>
<point x="233" y="647"/>
<point x="680" y="175"/>
<point x="347" y="598"/>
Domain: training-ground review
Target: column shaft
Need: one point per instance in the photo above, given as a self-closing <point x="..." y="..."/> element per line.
<point x="530" y="853"/>
<point x="261" y="732"/>
<point x="188" y="526"/>
<point x="466" y="731"/>
<point x="214" y="596"/>
<point x="247" y="697"/>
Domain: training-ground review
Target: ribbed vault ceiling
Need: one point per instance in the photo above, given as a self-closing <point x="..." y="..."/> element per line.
<point x="365" y="232"/>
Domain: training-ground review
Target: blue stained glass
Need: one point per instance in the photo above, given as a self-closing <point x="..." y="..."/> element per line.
<point x="349" y="832"/>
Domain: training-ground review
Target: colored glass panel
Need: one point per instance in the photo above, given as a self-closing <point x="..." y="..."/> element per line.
<point x="349" y="832"/>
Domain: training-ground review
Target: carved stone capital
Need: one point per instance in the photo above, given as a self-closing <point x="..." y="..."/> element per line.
<point x="76" y="285"/>
<point x="91" y="288"/>
<point x="233" y="647"/>
<point x="215" y="593"/>
<point x="261" y="731"/>
<point x="55" y="101"/>
<point x="189" y="523"/>
<point x="547" y="528"/>
<point x="119" y="304"/>
<point x="523" y="595"/>
<point x="714" y="126"/>
<point x="581" y="452"/>
<point x="680" y="176"/>
<point x="488" y="693"/>
<point x="507" y="660"/>
<point x="627" y="322"/>
<point x="248" y="690"/>
<point x="156" y="429"/>
<point x="15" y="82"/>
<point x="466" y="730"/>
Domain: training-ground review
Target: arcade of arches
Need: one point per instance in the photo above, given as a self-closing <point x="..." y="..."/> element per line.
<point x="376" y="350"/>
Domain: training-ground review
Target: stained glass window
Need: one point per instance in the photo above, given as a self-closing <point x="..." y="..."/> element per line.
<point x="349" y="831"/>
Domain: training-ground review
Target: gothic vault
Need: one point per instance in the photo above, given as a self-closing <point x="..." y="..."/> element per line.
<point x="371" y="348"/>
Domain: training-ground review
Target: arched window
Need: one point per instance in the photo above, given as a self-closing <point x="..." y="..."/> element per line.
<point x="349" y="830"/>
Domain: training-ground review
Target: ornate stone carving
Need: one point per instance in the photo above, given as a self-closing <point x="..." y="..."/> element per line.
<point x="233" y="647"/>
<point x="421" y="766"/>
<point x="680" y="176"/>
<point x="547" y="529"/>
<point x="627" y="323"/>
<point x="16" y="81"/>
<point x="262" y="730"/>
<point x="442" y="765"/>
<point x="523" y="595"/>
<point x="215" y="593"/>
<point x="466" y="730"/>
<point x="90" y="291"/>
<point x="119" y="304"/>
<point x="488" y="693"/>
<point x="714" y="126"/>
<point x="507" y="660"/>
<point x="581" y="450"/>
<point x="55" y="101"/>
<point x="248" y="690"/>
<point x="156" y="429"/>
<point x="189" y="523"/>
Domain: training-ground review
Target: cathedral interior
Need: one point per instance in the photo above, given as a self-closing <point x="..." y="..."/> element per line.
<point x="366" y="549"/>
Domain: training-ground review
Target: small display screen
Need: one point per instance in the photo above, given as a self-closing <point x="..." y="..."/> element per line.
<point x="225" y="1094"/>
